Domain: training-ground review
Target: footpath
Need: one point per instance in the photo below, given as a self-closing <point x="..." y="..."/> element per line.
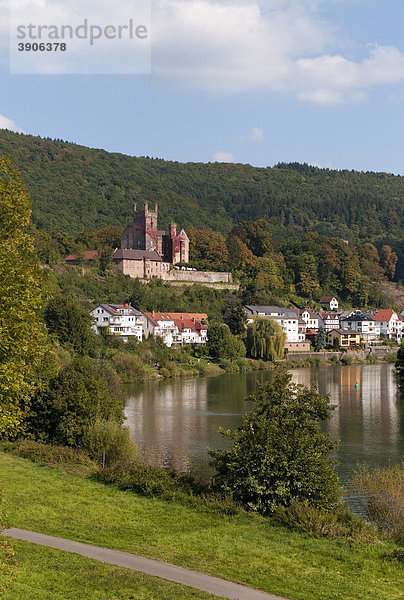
<point x="199" y="581"/>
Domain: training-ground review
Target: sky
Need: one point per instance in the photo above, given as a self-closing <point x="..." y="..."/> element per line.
<point x="249" y="81"/>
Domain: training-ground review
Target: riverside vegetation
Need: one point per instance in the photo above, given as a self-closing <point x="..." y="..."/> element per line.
<point x="65" y="408"/>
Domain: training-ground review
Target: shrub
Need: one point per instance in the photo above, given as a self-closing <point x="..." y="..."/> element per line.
<point x="130" y="367"/>
<point x="382" y="489"/>
<point x="107" y="442"/>
<point x="75" y="398"/>
<point x="347" y="359"/>
<point x="278" y="453"/>
<point x="338" y="523"/>
<point x="72" y="459"/>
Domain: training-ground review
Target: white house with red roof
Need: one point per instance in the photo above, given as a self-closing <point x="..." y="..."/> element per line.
<point x="177" y="328"/>
<point x="390" y="323"/>
<point x="118" y="319"/>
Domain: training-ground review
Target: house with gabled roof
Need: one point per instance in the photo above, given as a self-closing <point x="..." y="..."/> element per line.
<point x="390" y="323"/>
<point x="311" y="318"/>
<point x="118" y="319"/>
<point x="329" y="303"/>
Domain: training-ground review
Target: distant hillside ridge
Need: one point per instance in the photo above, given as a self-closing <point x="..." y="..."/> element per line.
<point x="75" y="188"/>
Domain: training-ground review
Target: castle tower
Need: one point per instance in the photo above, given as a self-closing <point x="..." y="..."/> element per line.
<point x="143" y="233"/>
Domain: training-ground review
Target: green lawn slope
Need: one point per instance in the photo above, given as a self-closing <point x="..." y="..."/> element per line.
<point x="241" y="548"/>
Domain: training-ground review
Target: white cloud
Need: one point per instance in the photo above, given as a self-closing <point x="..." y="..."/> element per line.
<point x="6" y="123"/>
<point x="224" y="157"/>
<point x="233" y="46"/>
<point x="256" y="135"/>
<point x="273" y="45"/>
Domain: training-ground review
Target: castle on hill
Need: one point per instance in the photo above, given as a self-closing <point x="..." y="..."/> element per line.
<point x="146" y="252"/>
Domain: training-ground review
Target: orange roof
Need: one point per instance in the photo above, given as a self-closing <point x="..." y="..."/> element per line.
<point x="384" y="314"/>
<point x="194" y="317"/>
<point x="87" y="255"/>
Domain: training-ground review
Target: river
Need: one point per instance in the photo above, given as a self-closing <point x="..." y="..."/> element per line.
<point x="175" y="421"/>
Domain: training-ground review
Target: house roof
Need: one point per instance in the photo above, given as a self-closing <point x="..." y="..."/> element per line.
<point x="128" y="254"/>
<point x="272" y="311"/>
<point x="311" y="312"/>
<point x="327" y="299"/>
<point x="114" y="309"/>
<point x="87" y="255"/>
<point x="332" y="316"/>
<point x="358" y="318"/>
<point x="195" y="317"/>
<point x="384" y="314"/>
<point x="344" y="331"/>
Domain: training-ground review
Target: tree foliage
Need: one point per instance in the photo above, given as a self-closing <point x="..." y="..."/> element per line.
<point x="278" y="453"/>
<point x="265" y="339"/>
<point x="81" y="393"/>
<point x="21" y="297"/>
<point x="94" y="189"/>
<point x="223" y="344"/>
<point x="70" y="322"/>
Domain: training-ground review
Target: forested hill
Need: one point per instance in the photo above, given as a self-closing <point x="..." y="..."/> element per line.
<point x="75" y="188"/>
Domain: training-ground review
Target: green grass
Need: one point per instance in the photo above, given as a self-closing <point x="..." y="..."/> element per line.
<point x="47" y="574"/>
<point x="240" y="548"/>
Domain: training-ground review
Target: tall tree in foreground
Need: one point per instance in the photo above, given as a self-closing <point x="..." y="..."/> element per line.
<point x="278" y="453"/>
<point x="21" y="296"/>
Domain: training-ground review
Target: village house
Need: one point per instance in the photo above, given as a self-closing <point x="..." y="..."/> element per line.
<point x="329" y="303"/>
<point x="118" y="319"/>
<point x="177" y="328"/>
<point x="346" y="338"/>
<point x="365" y="325"/>
<point x="289" y="322"/>
<point x="310" y="317"/>
<point x="330" y="321"/>
<point x="287" y="319"/>
<point x="391" y="325"/>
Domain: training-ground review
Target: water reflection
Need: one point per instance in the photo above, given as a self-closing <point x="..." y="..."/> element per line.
<point x="175" y="421"/>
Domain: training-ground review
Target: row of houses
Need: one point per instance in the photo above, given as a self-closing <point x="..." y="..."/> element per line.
<point x="303" y="325"/>
<point x="126" y="322"/>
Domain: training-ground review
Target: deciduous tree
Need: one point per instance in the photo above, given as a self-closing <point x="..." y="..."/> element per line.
<point x="21" y="296"/>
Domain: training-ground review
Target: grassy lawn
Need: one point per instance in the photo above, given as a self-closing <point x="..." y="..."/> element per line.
<point x="47" y="574"/>
<point x="240" y="548"/>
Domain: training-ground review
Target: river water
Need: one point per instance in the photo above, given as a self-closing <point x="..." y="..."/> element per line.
<point x="175" y="421"/>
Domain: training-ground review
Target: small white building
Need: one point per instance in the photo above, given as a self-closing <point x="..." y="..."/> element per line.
<point x="118" y="319"/>
<point x="329" y="303"/>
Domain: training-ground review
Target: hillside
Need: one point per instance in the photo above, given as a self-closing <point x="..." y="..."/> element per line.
<point x="75" y="188"/>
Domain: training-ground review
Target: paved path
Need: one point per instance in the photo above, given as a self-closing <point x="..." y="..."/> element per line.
<point x="205" y="583"/>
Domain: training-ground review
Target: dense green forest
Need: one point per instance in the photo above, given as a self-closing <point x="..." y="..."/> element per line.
<point x="75" y="188"/>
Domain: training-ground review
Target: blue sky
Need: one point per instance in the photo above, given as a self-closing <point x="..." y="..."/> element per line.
<point x="318" y="81"/>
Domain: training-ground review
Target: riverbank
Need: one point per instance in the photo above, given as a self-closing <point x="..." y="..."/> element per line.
<point x="243" y="548"/>
<point x="380" y="354"/>
<point x="191" y="366"/>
